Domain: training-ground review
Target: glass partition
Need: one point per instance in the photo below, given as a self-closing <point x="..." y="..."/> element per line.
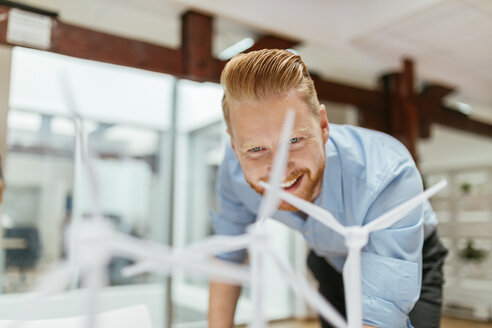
<point x="147" y="183"/>
<point x="127" y="115"/>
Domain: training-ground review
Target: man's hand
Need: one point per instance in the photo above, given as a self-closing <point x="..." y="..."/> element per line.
<point x="367" y="326"/>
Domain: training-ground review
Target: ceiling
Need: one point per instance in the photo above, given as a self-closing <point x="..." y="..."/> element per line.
<point x="350" y="41"/>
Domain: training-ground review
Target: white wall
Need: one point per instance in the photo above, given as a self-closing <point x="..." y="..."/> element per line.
<point x="44" y="82"/>
<point x="341" y="113"/>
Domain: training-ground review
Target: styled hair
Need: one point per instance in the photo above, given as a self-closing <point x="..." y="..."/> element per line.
<point x="257" y="75"/>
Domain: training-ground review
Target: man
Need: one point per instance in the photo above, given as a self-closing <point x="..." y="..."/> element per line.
<point x="355" y="173"/>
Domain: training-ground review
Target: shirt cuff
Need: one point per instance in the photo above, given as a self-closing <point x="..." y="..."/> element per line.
<point x="235" y="257"/>
<point x="380" y="313"/>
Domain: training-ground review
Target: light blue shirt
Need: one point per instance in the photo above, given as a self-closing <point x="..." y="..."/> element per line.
<point x="367" y="173"/>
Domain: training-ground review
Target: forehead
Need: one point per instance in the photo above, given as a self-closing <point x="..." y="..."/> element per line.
<point x="255" y="120"/>
<point x="271" y="107"/>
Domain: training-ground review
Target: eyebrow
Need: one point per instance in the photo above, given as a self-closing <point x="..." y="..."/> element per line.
<point x="300" y="130"/>
<point x="249" y="145"/>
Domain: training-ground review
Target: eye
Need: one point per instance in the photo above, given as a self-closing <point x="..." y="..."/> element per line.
<point x="255" y="149"/>
<point x="294" y="140"/>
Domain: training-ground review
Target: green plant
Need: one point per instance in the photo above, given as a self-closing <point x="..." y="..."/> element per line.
<point x="466" y="187"/>
<point x="472" y="253"/>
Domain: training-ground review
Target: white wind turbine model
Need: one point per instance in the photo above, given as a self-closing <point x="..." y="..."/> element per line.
<point x="260" y="247"/>
<point x="258" y="242"/>
<point x="97" y="236"/>
<point x="356" y="237"/>
<point x="91" y="243"/>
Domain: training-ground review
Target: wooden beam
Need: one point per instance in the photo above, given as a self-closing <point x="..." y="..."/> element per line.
<point x="4" y="13"/>
<point x="432" y="110"/>
<point x="402" y="109"/>
<point x="374" y="119"/>
<point x="346" y="94"/>
<point x="196" y="44"/>
<point x="25" y="7"/>
<point x="429" y="103"/>
<point x="371" y="104"/>
<point x="435" y="93"/>
<point x="194" y="60"/>
<point x="411" y="126"/>
<point x="272" y="42"/>
<point x="457" y="120"/>
<point x="263" y="42"/>
<point x="84" y="43"/>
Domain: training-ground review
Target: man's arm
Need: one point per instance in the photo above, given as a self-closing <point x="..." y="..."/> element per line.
<point x="231" y="219"/>
<point x="222" y="304"/>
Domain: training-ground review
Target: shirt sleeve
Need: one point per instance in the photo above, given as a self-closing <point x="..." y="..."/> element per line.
<point x="392" y="259"/>
<point x="232" y="217"/>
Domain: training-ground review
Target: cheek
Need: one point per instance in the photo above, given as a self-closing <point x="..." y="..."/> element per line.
<point x="252" y="169"/>
<point x="311" y="155"/>
<point x="311" y="159"/>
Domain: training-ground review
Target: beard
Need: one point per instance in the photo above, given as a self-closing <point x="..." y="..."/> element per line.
<point x="310" y="183"/>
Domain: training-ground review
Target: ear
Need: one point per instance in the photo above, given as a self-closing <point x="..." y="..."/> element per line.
<point x="231" y="138"/>
<point x="324" y="124"/>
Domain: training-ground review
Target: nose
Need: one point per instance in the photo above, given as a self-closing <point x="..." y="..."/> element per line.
<point x="271" y="159"/>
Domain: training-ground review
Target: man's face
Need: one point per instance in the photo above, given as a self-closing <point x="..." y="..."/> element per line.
<point x="255" y="133"/>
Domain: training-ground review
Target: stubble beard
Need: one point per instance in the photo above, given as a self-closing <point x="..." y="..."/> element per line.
<point x="309" y="185"/>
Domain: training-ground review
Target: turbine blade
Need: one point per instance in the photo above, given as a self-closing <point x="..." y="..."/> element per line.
<point x="137" y="249"/>
<point x="353" y="288"/>
<point x="302" y="288"/>
<point x="316" y="212"/>
<point x="257" y="263"/>
<point x="271" y="199"/>
<point x="152" y="256"/>
<point x="50" y="283"/>
<point x="54" y="280"/>
<point x="82" y="142"/>
<point x="216" y="271"/>
<point x="95" y="280"/>
<point x="214" y="245"/>
<point x="394" y="215"/>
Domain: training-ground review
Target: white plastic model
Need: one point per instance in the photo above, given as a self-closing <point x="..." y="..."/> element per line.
<point x="93" y="242"/>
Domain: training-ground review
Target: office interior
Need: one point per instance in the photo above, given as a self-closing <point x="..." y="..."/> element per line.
<point x="144" y="78"/>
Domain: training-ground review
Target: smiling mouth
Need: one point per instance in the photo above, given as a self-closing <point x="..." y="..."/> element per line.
<point x="291" y="183"/>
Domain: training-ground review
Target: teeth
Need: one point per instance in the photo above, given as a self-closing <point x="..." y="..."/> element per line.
<point x="287" y="184"/>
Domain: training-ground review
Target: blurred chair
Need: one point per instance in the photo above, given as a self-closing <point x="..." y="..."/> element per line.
<point x="23" y="258"/>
